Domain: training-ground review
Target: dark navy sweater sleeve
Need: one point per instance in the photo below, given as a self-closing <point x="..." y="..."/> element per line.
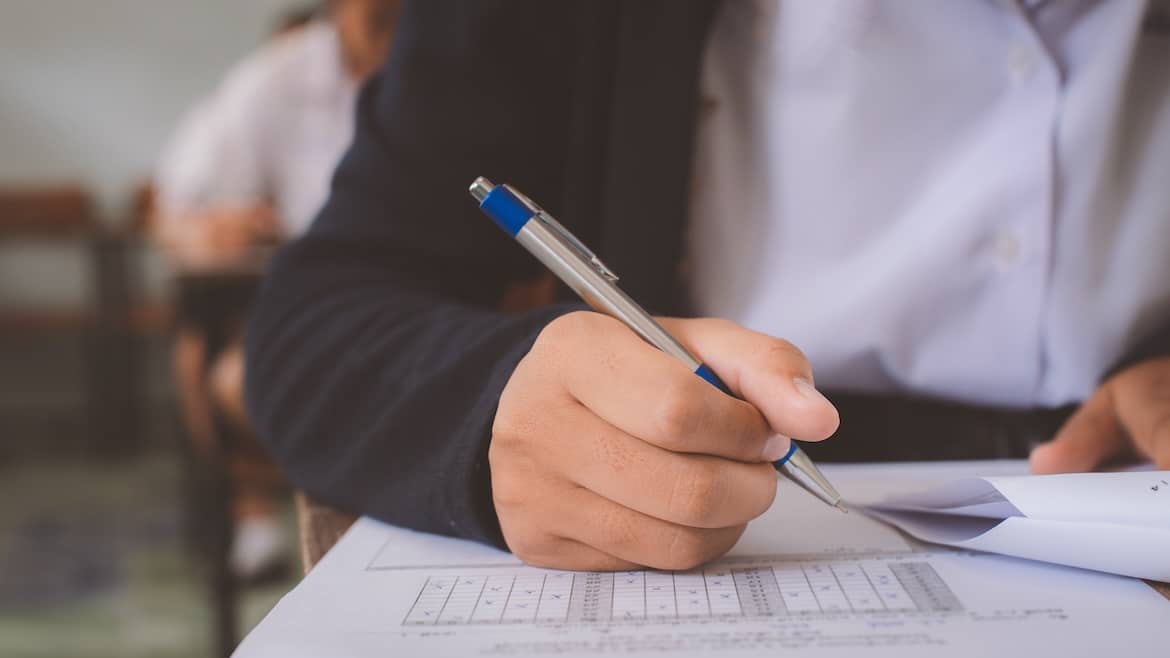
<point x="375" y="353"/>
<point x="1154" y="345"/>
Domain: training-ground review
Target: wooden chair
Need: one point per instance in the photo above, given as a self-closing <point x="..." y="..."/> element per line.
<point x="65" y="215"/>
<point x="61" y="214"/>
<point x="46" y="211"/>
<point x="320" y="527"/>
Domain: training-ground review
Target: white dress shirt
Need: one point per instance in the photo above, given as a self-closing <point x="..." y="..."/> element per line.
<point x="966" y="199"/>
<point x="272" y="132"/>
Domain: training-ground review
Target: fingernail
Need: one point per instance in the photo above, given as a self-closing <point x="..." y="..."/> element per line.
<point x="776" y="447"/>
<point x="809" y="391"/>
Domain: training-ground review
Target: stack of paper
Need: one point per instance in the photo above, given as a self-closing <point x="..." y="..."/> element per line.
<point x="1113" y="522"/>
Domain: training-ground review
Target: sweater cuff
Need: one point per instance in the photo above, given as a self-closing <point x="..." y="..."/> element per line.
<point x="1155" y="345"/>
<point x="473" y="504"/>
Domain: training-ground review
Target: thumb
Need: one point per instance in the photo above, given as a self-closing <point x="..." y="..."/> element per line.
<point x="769" y="373"/>
<point x="1088" y="438"/>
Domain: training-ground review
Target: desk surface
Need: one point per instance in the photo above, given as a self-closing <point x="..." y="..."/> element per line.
<point x="321" y="526"/>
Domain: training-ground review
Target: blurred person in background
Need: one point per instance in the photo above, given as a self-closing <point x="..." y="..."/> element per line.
<point x="248" y="167"/>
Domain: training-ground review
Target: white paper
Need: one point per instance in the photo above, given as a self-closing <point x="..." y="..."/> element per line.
<point x="1113" y="522"/>
<point x="804" y="579"/>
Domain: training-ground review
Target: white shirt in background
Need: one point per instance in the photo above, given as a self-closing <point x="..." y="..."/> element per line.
<point x="272" y="132"/>
<point x="961" y="199"/>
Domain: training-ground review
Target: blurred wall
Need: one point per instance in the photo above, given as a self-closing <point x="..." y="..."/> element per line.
<point x="90" y="89"/>
<point x="89" y="92"/>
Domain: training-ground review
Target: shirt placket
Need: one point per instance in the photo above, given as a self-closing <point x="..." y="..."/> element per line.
<point x="1020" y="247"/>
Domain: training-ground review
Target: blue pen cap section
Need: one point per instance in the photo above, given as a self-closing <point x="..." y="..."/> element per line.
<point x="507" y="211"/>
<point x="792" y="448"/>
<point x="712" y="379"/>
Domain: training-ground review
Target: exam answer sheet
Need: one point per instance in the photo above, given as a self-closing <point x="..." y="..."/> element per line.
<point x="804" y="578"/>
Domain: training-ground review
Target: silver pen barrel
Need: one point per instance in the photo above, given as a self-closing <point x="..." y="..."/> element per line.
<point x="801" y="470"/>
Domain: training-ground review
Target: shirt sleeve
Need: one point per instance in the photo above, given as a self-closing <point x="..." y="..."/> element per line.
<point x="375" y="354"/>
<point x="217" y="154"/>
<point x="181" y="176"/>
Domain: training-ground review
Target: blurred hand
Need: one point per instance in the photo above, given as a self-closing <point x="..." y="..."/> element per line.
<point x="606" y="453"/>
<point x="236" y="228"/>
<point x="1128" y="416"/>
<point x="221" y="235"/>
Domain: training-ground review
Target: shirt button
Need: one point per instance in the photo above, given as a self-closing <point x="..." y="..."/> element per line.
<point x="1007" y="251"/>
<point x="1021" y="63"/>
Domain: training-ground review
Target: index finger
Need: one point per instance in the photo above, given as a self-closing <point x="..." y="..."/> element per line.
<point x="651" y="396"/>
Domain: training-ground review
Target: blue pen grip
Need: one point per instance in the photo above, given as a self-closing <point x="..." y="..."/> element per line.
<point x="711" y="378"/>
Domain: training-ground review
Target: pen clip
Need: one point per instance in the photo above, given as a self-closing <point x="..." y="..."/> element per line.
<point x="564" y="234"/>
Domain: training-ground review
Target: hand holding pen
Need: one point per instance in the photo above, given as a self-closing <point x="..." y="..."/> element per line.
<point x="609" y="452"/>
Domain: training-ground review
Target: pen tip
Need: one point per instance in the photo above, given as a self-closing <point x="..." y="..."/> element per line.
<point x="841" y="506"/>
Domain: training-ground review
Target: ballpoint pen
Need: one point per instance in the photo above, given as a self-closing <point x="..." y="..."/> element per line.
<point x="557" y="248"/>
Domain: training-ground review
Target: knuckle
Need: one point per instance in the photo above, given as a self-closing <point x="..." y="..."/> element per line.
<point x="525" y="531"/>
<point x="544" y="354"/>
<point x="569" y="328"/>
<point x="523" y="417"/>
<point x="509" y="492"/>
<point x="530" y="547"/>
<point x="698" y="495"/>
<point x="520" y="483"/>
<point x="687" y="548"/>
<point x="677" y="414"/>
<point x="779" y="353"/>
<point x="510" y="429"/>
<point x="561" y="341"/>
<point x="762" y="479"/>
<point x="558" y="328"/>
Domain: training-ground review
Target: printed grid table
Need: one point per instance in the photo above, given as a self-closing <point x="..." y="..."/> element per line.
<point x="762" y="591"/>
